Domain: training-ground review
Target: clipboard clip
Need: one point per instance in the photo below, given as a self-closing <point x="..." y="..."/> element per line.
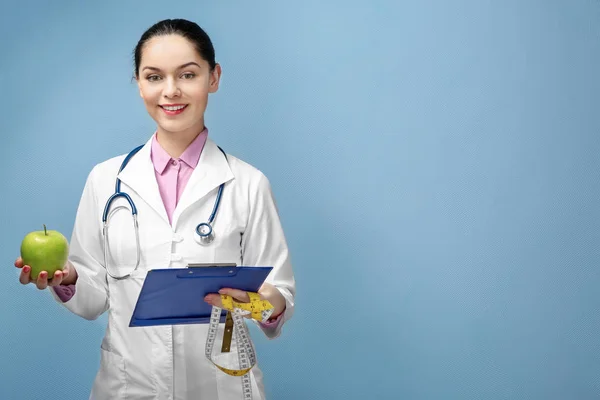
<point x="208" y="270"/>
<point x="204" y="265"/>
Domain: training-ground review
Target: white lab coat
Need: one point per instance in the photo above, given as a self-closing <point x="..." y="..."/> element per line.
<point x="168" y="362"/>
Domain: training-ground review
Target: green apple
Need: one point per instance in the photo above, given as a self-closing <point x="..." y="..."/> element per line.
<point x="44" y="251"/>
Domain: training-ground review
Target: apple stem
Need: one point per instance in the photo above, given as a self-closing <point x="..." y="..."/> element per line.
<point x="45" y="233"/>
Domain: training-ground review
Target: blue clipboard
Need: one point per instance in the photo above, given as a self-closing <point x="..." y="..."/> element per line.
<point x="175" y="296"/>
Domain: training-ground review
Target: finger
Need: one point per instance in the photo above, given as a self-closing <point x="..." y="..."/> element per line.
<point x="213" y="300"/>
<point x="42" y="280"/>
<point x="19" y="263"/>
<point x="237" y="294"/>
<point x="56" y="279"/>
<point x="24" y="275"/>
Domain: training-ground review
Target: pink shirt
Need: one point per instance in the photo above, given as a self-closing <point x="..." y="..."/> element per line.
<point x="172" y="175"/>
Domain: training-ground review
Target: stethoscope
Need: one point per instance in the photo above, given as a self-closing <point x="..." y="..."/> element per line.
<point x="204" y="231"/>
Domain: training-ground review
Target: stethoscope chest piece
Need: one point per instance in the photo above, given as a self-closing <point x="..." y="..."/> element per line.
<point x="204" y="234"/>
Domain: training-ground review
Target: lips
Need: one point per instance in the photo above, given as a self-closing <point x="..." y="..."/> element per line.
<point x="173" y="109"/>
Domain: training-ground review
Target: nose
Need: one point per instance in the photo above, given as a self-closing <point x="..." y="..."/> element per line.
<point x="171" y="88"/>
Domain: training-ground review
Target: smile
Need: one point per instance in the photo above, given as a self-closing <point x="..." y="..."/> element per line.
<point x="173" y="109"/>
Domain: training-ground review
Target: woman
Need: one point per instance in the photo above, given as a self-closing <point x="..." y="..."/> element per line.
<point x="173" y="181"/>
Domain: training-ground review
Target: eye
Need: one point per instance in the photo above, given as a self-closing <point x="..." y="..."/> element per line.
<point x="153" y="78"/>
<point x="188" y="75"/>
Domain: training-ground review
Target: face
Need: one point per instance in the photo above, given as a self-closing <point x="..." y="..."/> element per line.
<point x="174" y="82"/>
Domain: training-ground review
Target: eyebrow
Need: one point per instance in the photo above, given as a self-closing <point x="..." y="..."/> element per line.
<point x="180" y="67"/>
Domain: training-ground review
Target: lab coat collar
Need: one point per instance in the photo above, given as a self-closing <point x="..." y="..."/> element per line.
<point x="212" y="170"/>
<point x="139" y="176"/>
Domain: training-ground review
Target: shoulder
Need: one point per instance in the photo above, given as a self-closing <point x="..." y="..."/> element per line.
<point x="247" y="174"/>
<point x="108" y="167"/>
<point x="103" y="175"/>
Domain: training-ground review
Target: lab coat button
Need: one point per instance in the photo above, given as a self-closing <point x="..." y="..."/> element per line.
<point x="177" y="237"/>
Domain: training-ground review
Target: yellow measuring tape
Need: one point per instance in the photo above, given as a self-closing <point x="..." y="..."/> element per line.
<point x="258" y="309"/>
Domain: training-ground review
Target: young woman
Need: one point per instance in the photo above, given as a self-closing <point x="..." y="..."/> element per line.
<point x="174" y="181"/>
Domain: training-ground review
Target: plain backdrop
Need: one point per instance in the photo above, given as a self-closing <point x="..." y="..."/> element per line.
<point x="435" y="164"/>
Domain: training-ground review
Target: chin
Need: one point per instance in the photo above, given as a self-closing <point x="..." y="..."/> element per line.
<point x="172" y="126"/>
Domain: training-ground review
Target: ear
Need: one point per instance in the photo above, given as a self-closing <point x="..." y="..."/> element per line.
<point x="137" y="80"/>
<point x="215" y="78"/>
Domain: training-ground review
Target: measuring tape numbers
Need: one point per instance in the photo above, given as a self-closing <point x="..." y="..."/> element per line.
<point x="257" y="309"/>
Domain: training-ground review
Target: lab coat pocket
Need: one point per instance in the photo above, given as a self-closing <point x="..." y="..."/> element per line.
<point x="110" y="381"/>
<point x="227" y="245"/>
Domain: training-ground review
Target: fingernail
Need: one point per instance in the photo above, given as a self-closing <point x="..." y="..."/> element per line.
<point x="26" y="269"/>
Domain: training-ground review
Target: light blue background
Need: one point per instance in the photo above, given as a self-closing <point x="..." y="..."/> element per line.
<point x="436" y="165"/>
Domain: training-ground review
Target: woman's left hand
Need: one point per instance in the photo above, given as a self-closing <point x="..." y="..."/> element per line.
<point x="267" y="292"/>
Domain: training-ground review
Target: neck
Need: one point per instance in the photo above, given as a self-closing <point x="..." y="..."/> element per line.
<point x="175" y="143"/>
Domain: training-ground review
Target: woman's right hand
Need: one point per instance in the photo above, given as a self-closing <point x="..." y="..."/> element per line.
<point x="60" y="277"/>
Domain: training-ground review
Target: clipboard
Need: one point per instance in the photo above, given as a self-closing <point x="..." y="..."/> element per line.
<point x="175" y="296"/>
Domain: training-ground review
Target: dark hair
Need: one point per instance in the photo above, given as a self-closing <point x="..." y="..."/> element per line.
<point x="182" y="27"/>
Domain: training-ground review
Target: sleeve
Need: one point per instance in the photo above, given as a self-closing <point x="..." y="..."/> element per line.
<point x="264" y="244"/>
<point x="90" y="295"/>
<point x="64" y="292"/>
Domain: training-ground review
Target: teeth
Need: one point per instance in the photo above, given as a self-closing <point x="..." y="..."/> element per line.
<point x="173" y="108"/>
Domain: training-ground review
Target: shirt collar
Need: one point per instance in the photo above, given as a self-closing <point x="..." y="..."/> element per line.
<point x="191" y="155"/>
